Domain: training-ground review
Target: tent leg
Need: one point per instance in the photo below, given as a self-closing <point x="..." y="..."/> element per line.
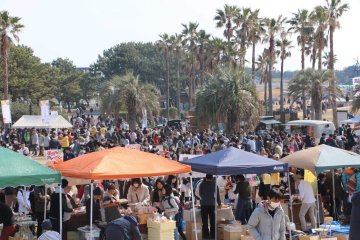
<point x="61" y="211"/>
<point x="91" y="207"/>
<point x="193" y="206"/>
<point x="216" y="206"/>
<point x="334" y="201"/>
<point x="318" y="202"/>
<point x="291" y="205"/>
<point x="45" y="202"/>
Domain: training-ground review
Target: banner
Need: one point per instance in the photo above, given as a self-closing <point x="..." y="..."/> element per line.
<point x="6" y="112"/>
<point x="133" y="146"/>
<point x="144" y="119"/>
<point x="52" y="155"/>
<point x="45" y="111"/>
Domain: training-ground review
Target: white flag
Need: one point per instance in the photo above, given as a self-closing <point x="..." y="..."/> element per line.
<point x="144" y="120"/>
<point x="45" y="111"/>
<point x="5" y="108"/>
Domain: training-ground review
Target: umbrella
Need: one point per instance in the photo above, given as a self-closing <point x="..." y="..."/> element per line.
<point x="19" y="170"/>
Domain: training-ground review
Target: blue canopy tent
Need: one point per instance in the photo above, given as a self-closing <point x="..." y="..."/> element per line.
<point x="233" y="161"/>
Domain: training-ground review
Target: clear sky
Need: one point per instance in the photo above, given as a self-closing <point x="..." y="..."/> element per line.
<point x="81" y="29"/>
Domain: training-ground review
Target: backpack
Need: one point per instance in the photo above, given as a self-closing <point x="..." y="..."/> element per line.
<point x="179" y="215"/>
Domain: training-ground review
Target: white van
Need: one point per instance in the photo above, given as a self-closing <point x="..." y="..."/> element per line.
<point x="313" y="128"/>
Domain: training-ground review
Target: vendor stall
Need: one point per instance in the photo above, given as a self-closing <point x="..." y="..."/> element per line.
<point x="19" y="170"/>
<point x="233" y="161"/>
<point x="118" y="163"/>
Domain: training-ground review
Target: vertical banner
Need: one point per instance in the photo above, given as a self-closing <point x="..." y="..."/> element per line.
<point x="45" y="111"/>
<point x="144" y="120"/>
<point x="5" y="108"/>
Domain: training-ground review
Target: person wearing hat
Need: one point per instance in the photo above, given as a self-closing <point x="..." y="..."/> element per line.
<point x="97" y="196"/>
<point x="48" y="233"/>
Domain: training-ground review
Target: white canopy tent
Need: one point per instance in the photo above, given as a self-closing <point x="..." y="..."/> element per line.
<point x="35" y="121"/>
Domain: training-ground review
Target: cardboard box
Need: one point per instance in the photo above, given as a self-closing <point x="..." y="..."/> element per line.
<point x="161" y="226"/>
<point x="309" y="237"/>
<point x="190" y="230"/>
<point x="143" y="218"/>
<point x="328" y="238"/>
<point x="341" y="236"/>
<point x="247" y="237"/>
<point x="232" y="235"/>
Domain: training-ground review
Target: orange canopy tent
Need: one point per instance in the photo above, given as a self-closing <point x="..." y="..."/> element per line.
<point x="119" y="163"/>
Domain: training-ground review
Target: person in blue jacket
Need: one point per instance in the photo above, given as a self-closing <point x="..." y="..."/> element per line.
<point x="123" y="228"/>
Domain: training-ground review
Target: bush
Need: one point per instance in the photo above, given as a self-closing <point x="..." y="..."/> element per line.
<point x="172" y="112"/>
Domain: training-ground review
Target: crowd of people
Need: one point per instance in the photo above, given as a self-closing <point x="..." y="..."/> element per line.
<point x="170" y="194"/>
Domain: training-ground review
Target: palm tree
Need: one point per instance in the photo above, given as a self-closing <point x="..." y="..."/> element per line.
<point x="319" y="18"/>
<point x="128" y="93"/>
<point x="217" y="49"/>
<point x="165" y="45"/>
<point x="273" y="27"/>
<point x="9" y="28"/>
<point x="300" y="24"/>
<point x="189" y="36"/>
<point x="255" y="33"/>
<point x="229" y="96"/>
<point x="263" y="67"/>
<point x="226" y="18"/>
<point x="334" y="10"/>
<point x="326" y="59"/>
<point x="203" y="47"/>
<point x="243" y="22"/>
<point x="284" y="45"/>
<point x="176" y="45"/>
<point x="314" y="83"/>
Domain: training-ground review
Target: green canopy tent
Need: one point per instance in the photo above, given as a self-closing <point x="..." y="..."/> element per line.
<point x="19" y="170"/>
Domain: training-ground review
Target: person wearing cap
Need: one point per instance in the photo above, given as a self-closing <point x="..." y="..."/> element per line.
<point x="207" y="201"/>
<point x="48" y="233"/>
<point x="97" y="196"/>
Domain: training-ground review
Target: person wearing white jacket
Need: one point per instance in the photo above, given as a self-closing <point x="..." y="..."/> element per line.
<point x="23" y="200"/>
<point x="138" y="192"/>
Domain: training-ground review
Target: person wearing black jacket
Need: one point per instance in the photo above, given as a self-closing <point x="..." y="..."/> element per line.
<point x="55" y="206"/>
<point x="206" y="192"/>
<point x="7" y="219"/>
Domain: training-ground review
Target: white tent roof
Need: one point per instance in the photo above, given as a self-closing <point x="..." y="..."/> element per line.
<point x="35" y="121"/>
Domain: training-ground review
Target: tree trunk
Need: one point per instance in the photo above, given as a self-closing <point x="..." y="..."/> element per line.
<point x="265" y="98"/>
<point x="320" y="54"/>
<point x="332" y="80"/>
<point x="302" y="54"/>
<point x="167" y="84"/>
<point x="304" y="104"/>
<point x="312" y="115"/>
<point x="282" y="113"/>
<point x="178" y="85"/>
<point x="68" y="106"/>
<point x="5" y="75"/>
<point x="132" y="118"/>
<point x="253" y="69"/>
<point x="190" y="90"/>
<point x="318" y="111"/>
<point x="313" y="58"/>
<point x="271" y="52"/>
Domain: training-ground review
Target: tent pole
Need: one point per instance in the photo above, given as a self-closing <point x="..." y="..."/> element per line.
<point x="61" y="211"/>
<point x="91" y="207"/>
<point x="215" y="206"/>
<point x="193" y="206"/>
<point x="45" y="202"/>
<point x="318" y="202"/>
<point x="334" y="201"/>
<point x="291" y="205"/>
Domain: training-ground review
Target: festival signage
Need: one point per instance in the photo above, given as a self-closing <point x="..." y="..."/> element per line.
<point x="45" y="111"/>
<point x="133" y="146"/>
<point x="144" y="119"/>
<point x="6" y="112"/>
<point x="52" y="155"/>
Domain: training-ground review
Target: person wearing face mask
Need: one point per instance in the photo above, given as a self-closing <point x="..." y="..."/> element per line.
<point x="138" y="192"/>
<point x="267" y="222"/>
